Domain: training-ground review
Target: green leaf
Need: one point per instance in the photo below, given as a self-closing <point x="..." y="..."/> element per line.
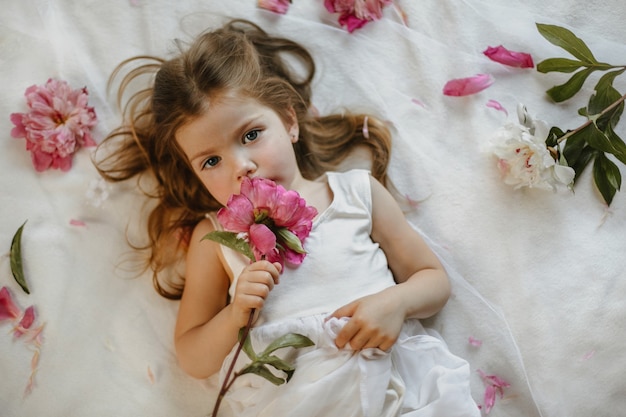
<point x="292" y="241"/>
<point x="566" y="39"/>
<point x="553" y="136"/>
<point x="586" y="155"/>
<point x="17" y="268"/>
<point x="607" y="177"/>
<point x="294" y="340"/>
<point x="558" y="65"/>
<point x="573" y="147"/>
<point x="281" y="365"/>
<point x="231" y="240"/>
<point x="619" y="147"/>
<point x="597" y="139"/>
<point x="567" y="90"/>
<point x="247" y="345"/>
<point x="605" y="95"/>
<point x="260" y="370"/>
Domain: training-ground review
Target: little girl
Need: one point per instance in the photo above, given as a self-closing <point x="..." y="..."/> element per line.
<point x="230" y="107"/>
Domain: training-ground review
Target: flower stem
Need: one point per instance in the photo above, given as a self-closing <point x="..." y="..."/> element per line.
<point x="589" y="121"/>
<point x="226" y="384"/>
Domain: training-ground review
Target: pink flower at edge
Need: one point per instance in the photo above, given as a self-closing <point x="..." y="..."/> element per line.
<point x="276" y="6"/>
<point x="8" y="308"/>
<point x="58" y="123"/>
<point x="511" y="58"/>
<point x="466" y="86"/>
<point x="494" y="385"/>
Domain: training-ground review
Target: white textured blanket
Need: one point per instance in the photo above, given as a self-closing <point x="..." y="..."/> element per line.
<point x="539" y="277"/>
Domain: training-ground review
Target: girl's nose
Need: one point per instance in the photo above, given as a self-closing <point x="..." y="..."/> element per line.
<point x="245" y="167"/>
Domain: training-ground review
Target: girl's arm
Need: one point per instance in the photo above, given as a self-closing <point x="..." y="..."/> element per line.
<point x="207" y="326"/>
<point x="423" y="287"/>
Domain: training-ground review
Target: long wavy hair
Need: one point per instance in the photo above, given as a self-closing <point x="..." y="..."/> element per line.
<point x="239" y="56"/>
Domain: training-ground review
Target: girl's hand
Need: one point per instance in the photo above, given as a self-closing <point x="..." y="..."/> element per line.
<point x="253" y="286"/>
<point x="375" y="322"/>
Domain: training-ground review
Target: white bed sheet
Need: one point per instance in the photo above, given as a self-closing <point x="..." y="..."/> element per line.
<point x="538" y="276"/>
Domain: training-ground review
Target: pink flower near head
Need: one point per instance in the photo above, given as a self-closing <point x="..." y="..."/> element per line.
<point x="276" y="6"/>
<point x="276" y="221"/>
<point x="511" y="58"/>
<point x="58" y="124"/>
<point x="354" y="14"/>
<point x="466" y="86"/>
<point x="8" y="309"/>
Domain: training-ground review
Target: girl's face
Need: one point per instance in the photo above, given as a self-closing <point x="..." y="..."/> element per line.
<point x="237" y="137"/>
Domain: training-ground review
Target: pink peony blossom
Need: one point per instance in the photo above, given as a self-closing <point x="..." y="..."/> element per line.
<point x="354" y="14"/>
<point x="276" y="6"/>
<point x="58" y="124"/>
<point x="275" y="221"/>
<point x="494" y="385"/>
<point x="8" y="309"/>
<point x="466" y="86"/>
<point x="511" y="58"/>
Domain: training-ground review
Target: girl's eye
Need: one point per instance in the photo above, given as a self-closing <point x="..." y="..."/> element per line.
<point x="251" y="136"/>
<point x="211" y="162"/>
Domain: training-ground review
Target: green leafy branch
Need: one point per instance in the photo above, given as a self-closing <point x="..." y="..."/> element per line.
<point x="595" y="139"/>
<point x="261" y="361"/>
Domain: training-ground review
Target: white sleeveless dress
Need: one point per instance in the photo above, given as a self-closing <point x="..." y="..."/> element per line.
<point x="418" y="377"/>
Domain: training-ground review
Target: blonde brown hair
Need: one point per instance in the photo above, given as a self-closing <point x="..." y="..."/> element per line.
<point x="239" y="56"/>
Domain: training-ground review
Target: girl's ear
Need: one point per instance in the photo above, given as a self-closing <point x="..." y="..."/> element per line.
<point x="292" y="126"/>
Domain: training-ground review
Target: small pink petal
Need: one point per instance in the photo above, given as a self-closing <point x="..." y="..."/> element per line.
<point x="276" y="6"/>
<point x="8" y="309"/>
<point x="589" y="355"/>
<point x="26" y="321"/>
<point x="80" y="223"/>
<point x="475" y="342"/>
<point x="511" y="58"/>
<point x="262" y="238"/>
<point x="466" y="86"/>
<point x="418" y="102"/>
<point x="495" y="105"/>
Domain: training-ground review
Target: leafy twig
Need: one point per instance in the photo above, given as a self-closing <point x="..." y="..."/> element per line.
<point x="595" y="138"/>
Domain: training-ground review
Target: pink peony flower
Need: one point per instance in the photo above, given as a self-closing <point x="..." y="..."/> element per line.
<point x="8" y="309"/>
<point x="511" y="58"/>
<point x="273" y="220"/>
<point x="354" y="14"/>
<point x="58" y="124"/>
<point x="276" y="6"/>
<point x="466" y="86"/>
<point x="494" y="385"/>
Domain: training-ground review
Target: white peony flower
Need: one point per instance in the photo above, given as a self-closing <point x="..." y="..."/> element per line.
<point x="523" y="157"/>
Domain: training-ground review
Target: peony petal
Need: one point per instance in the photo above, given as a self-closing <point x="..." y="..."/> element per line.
<point x="262" y="238"/>
<point x="276" y="6"/>
<point x="8" y="309"/>
<point x="466" y="86"/>
<point x="495" y="105"/>
<point x="511" y="58"/>
<point x="475" y="342"/>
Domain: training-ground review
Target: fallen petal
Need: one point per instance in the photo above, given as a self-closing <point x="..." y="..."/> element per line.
<point x="511" y="58"/>
<point x="475" y="342"/>
<point x="8" y="309"/>
<point x="276" y="6"/>
<point x="466" y="86"/>
<point x="495" y="105"/>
